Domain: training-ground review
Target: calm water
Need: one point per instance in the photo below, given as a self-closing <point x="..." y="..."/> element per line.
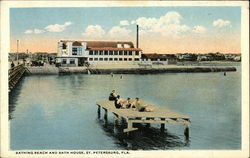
<point x="59" y="112"/>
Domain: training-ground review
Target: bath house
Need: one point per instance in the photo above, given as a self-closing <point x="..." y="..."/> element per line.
<point x="77" y="53"/>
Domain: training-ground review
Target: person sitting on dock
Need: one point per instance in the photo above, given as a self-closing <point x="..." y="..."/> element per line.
<point x="118" y="102"/>
<point x="136" y="105"/>
<point x="112" y="96"/>
<point x="127" y="103"/>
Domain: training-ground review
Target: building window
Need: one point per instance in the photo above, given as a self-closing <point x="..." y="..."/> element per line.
<point x="100" y="59"/>
<point x="106" y="59"/>
<point x="125" y="53"/>
<point x="110" y="52"/>
<point x="74" y="51"/>
<point x="116" y="52"/>
<point x="136" y="59"/>
<point x="119" y="45"/>
<point x="90" y="52"/>
<point x="72" y="61"/>
<point x="110" y="59"/>
<point x="115" y="59"/>
<point x="125" y="59"/>
<point x="136" y="52"/>
<point x="106" y="52"/>
<point x="90" y="59"/>
<point x="79" y="50"/>
<point x="101" y="52"/>
<point x="120" y="52"/>
<point x="129" y="52"/>
<point x="64" y="61"/>
<point x="96" y="52"/>
<point x="120" y="59"/>
<point x="130" y="59"/>
<point x="64" y="46"/>
<point x="96" y="59"/>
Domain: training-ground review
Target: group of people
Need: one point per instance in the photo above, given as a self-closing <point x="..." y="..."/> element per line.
<point x="134" y="104"/>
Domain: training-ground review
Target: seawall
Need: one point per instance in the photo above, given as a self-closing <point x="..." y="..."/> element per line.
<point x="130" y="70"/>
<point x="43" y="70"/>
<point x="164" y="70"/>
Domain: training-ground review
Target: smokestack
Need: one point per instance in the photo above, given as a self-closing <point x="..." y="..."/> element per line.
<point x="137" y="36"/>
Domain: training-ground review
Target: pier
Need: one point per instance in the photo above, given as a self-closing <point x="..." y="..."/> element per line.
<point x="15" y="74"/>
<point x="159" y="116"/>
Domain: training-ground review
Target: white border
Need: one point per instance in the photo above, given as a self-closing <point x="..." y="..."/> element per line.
<point x="5" y="40"/>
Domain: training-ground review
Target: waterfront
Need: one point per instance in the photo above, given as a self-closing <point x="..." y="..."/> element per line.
<point x="59" y="112"/>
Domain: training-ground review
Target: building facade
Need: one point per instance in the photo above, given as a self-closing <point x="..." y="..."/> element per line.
<point x="78" y="53"/>
<point x="160" y="59"/>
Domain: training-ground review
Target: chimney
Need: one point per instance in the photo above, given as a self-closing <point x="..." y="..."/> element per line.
<point x="137" y="36"/>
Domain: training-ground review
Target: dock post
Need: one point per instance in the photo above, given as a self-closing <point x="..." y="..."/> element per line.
<point x="186" y="131"/>
<point x="106" y="115"/>
<point x="99" y="111"/>
<point x="148" y="124"/>
<point x="123" y="120"/>
<point x="116" y="118"/>
<point x="163" y="125"/>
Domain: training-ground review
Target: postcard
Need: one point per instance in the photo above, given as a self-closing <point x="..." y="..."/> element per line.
<point x="124" y="79"/>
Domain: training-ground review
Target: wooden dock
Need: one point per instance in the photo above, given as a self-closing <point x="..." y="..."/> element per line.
<point x="15" y="74"/>
<point x="159" y="115"/>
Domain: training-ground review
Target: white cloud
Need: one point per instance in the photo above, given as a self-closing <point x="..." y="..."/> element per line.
<point x="145" y="23"/>
<point x="38" y="31"/>
<point x="35" y="31"/>
<point x="221" y="23"/>
<point x="199" y="29"/>
<point x="50" y="28"/>
<point x="124" y="22"/>
<point x="166" y="25"/>
<point x="94" y="32"/>
<point x="118" y="32"/>
<point x="57" y="27"/>
<point x="170" y="18"/>
<point x="28" y="31"/>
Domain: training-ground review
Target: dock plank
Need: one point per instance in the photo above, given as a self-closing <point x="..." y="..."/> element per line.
<point x="158" y="112"/>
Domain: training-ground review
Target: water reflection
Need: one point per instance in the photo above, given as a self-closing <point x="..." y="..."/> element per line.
<point x="145" y="138"/>
<point x="61" y="110"/>
<point x="13" y="97"/>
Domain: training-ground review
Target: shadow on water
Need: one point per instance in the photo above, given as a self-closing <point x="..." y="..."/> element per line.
<point x="145" y="138"/>
<point x="13" y="97"/>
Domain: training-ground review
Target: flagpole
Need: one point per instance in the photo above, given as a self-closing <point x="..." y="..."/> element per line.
<point x="17" y="49"/>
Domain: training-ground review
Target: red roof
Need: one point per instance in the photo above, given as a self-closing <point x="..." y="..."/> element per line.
<point x="76" y="43"/>
<point x="102" y="45"/>
<point x="111" y="48"/>
<point x="107" y="44"/>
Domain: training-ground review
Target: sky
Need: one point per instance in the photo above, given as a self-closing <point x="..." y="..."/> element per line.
<point x="161" y="29"/>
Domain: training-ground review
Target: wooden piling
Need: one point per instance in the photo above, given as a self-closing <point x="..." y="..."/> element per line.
<point x="99" y="111"/>
<point x="105" y="114"/>
<point x="116" y="119"/>
<point x="162" y="124"/>
<point x="148" y="124"/>
<point x="186" y="131"/>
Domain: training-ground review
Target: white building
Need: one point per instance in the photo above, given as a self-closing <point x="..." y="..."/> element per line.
<point x="77" y="53"/>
